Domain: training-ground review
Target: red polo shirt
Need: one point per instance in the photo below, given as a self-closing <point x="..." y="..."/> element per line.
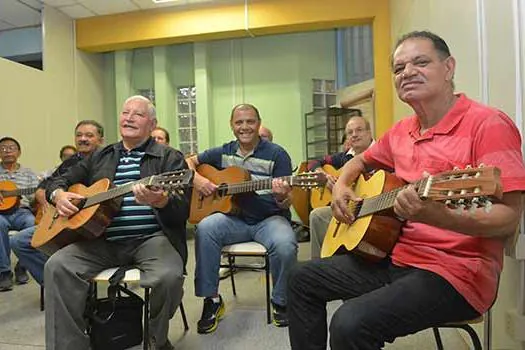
<point x="469" y="134"/>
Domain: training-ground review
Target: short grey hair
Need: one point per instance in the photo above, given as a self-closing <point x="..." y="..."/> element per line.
<point x="152" y="111"/>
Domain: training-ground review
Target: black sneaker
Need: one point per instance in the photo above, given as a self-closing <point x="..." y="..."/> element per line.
<point x="21" y="276"/>
<point x="6" y="281"/>
<point x="211" y="313"/>
<point x="280" y="318"/>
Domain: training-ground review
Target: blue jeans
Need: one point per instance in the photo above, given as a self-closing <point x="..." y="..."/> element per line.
<point x="219" y="230"/>
<point x="18" y="220"/>
<point x="30" y="258"/>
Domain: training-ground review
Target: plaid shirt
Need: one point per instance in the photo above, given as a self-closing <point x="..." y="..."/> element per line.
<point x="23" y="178"/>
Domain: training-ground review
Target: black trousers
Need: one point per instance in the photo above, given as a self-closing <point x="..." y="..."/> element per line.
<point x="382" y="302"/>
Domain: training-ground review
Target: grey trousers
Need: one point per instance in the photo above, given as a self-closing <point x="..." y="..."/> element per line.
<point x="319" y="221"/>
<point x="68" y="271"/>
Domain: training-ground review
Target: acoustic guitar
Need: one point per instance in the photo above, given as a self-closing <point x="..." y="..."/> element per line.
<point x="96" y="210"/>
<point x="321" y="197"/>
<point x="235" y="180"/>
<point x="12" y="194"/>
<point x="375" y="231"/>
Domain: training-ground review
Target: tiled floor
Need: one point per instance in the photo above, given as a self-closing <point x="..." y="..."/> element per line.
<point x="243" y="327"/>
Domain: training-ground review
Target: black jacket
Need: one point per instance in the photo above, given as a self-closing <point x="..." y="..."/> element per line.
<point x="157" y="159"/>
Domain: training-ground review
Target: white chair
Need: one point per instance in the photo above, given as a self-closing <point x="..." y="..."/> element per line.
<point x="253" y="249"/>
<point x="133" y="276"/>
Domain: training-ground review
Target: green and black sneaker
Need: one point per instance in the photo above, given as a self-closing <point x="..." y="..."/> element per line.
<point x="280" y="318"/>
<point x="212" y="312"/>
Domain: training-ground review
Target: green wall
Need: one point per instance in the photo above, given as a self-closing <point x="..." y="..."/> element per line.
<point x="272" y="72"/>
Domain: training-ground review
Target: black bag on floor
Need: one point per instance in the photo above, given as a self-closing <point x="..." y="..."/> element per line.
<point x="115" y="322"/>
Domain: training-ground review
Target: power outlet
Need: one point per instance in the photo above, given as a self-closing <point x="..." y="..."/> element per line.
<point x="515" y="325"/>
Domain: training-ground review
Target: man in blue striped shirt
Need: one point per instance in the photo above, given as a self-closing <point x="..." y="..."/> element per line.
<point x="264" y="216"/>
<point x="147" y="232"/>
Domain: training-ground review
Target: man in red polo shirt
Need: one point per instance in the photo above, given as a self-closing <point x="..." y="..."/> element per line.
<point x="445" y="266"/>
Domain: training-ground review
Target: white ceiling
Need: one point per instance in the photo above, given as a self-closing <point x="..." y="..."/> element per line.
<point x="26" y="13"/>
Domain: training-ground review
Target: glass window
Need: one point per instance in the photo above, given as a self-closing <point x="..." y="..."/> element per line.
<point x="187" y="118"/>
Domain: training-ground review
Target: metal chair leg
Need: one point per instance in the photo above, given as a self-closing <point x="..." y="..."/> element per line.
<point x="230" y="266"/>
<point x="267" y="272"/>
<point x="145" y="342"/>
<point x="184" y="319"/>
<point x="487" y="331"/>
<point x="473" y="336"/>
<point x="42" y="306"/>
<point x="437" y="336"/>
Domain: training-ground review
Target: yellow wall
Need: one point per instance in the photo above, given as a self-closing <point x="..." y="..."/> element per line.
<point x="41" y="108"/>
<point x="458" y="26"/>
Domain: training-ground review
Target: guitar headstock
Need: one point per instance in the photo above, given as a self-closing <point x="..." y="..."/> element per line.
<point x="467" y="188"/>
<point x="172" y="181"/>
<point x="309" y="180"/>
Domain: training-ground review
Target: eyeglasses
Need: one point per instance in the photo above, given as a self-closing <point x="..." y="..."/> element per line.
<point x="11" y="148"/>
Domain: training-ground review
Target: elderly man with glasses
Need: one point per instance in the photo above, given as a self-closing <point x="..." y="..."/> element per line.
<point x="17" y="217"/>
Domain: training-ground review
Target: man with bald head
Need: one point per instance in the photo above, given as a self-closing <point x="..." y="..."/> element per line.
<point x="265" y="133"/>
<point x="148" y="232"/>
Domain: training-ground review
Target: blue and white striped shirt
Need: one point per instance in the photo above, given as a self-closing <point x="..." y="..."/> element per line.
<point x="133" y="219"/>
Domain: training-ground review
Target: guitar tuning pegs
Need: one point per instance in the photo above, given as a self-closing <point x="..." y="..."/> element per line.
<point x="460" y="206"/>
<point x="460" y="209"/>
<point x="474" y="205"/>
<point x="468" y="166"/>
<point x="481" y="165"/>
<point x="488" y="206"/>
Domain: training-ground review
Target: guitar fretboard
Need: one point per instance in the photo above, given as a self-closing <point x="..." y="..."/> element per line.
<point x="19" y="192"/>
<point x="255" y="185"/>
<point x="115" y="192"/>
<point x="385" y="200"/>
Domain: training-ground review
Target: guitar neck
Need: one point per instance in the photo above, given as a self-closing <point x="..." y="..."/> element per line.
<point x="255" y="185"/>
<point x="115" y="192"/>
<point x="19" y="192"/>
<point x="384" y="201"/>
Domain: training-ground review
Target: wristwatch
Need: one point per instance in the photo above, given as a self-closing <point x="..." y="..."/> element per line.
<point x="53" y="195"/>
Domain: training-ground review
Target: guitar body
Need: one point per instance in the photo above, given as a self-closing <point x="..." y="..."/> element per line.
<point x="218" y="202"/>
<point x="11" y="201"/>
<point x="54" y="232"/>
<point x="39" y="214"/>
<point x="300" y="198"/>
<point x="371" y="236"/>
<point x="322" y="197"/>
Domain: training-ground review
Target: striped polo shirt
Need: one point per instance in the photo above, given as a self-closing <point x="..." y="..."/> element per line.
<point x="266" y="161"/>
<point x="23" y="178"/>
<point x="469" y="134"/>
<point x="133" y="219"/>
